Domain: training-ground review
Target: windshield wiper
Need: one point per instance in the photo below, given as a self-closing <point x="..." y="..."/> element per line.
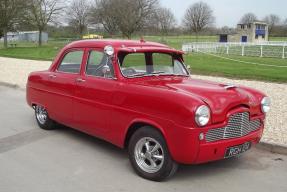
<point x="147" y="74"/>
<point x="156" y="74"/>
<point x="173" y="74"/>
<point x="137" y="75"/>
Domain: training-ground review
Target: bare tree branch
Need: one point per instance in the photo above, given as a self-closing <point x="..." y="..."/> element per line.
<point x="127" y="16"/>
<point x="248" y="18"/>
<point x="197" y="17"/>
<point x="102" y="12"/>
<point x="165" y="20"/>
<point x="273" y="21"/>
<point x="41" y="12"/>
<point x="9" y="14"/>
<point x="78" y="14"/>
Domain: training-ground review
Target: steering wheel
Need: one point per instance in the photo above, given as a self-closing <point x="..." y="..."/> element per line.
<point x="98" y="72"/>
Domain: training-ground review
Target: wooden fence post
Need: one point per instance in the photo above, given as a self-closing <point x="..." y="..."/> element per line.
<point x="227" y="50"/>
<point x="261" y="51"/>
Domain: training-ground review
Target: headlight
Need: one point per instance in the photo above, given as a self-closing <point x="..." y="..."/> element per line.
<point x="265" y="104"/>
<point x="202" y="115"/>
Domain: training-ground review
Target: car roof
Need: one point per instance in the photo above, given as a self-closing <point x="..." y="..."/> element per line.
<point x="101" y="43"/>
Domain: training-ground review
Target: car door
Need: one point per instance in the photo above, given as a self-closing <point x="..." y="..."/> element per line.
<point x="62" y="86"/>
<point x="92" y="106"/>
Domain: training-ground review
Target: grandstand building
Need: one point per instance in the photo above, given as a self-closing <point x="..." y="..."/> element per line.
<point x="255" y="32"/>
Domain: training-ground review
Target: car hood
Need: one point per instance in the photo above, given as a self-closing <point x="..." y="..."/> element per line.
<point x="219" y="97"/>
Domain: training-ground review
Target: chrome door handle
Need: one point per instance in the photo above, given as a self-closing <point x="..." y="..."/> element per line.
<point x="52" y="76"/>
<point x="80" y="80"/>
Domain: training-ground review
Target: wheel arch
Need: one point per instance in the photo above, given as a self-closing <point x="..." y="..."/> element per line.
<point x="34" y="104"/>
<point x="137" y="124"/>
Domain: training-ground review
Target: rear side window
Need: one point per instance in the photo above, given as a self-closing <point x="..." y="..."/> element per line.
<point x="71" y="62"/>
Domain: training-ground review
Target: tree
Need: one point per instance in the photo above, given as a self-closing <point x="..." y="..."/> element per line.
<point x="248" y="18"/>
<point x="273" y="21"/>
<point x="42" y="12"/>
<point x="227" y="30"/>
<point x="9" y="13"/>
<point x="102" y="12"/>
<point x="198" y="17"/>
<point x="131" y="15"/>
<point x="1" y="33"/>
<point x="165" y="20"/>
<point x="77" y="15"/>
<point x="127" y="16"/>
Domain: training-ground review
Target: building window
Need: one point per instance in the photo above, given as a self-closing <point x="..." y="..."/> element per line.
<point x="263" y="36"/>
<point x="249" y="26"/>
<point x="256" y="36"/>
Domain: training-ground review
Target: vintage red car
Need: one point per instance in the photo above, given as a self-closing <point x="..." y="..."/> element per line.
<point x="139" y="95"/>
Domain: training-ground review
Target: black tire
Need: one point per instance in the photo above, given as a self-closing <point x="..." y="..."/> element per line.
<point x="168" y="166"/>
<point x="47" y="124"/>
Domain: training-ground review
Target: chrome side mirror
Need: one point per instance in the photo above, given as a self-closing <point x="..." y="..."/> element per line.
<point x="109" y="50"/>
<point x="188" y="68"/>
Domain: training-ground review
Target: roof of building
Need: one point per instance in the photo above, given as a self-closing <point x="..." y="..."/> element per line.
<point x="23" y="32"/>
<point x="254" y="22"/>
<point x="228" y="33"/>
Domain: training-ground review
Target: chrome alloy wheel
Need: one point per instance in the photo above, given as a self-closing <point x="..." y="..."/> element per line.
<point x="149" y="155"/>
<point x="41" y="114"/>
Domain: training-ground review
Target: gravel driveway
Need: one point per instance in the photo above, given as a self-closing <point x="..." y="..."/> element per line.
<point x="15" y="71"/>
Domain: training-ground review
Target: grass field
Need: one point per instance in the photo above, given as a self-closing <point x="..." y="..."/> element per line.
<point x="210" y="65"/>
<point x="200" y="63"/>
<point x="277" y="38"/>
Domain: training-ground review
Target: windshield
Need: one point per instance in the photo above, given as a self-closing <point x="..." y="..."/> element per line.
<point x="148" y="64"/>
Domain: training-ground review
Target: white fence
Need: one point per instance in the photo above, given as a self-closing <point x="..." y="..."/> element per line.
<point x="267" y="49"/>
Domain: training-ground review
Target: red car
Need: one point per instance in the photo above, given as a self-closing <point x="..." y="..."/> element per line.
<point x="139" y="95"/>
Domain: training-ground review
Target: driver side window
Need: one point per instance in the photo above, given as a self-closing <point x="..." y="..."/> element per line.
<point x="99" y="65"/>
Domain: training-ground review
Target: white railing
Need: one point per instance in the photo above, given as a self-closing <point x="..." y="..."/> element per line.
<point x="275" y="49"/>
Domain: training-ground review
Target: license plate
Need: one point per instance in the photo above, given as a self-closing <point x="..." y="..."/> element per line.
<point x="236" y="150"/>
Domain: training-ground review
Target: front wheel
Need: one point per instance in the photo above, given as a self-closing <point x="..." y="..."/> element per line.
<point x="149" y="155"/>
<point x="43" y="119"/>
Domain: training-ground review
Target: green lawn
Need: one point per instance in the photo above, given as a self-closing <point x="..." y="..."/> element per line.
<point x="32" y="51"/>
<point x="177" y="41"/>
<point x="277" y="38"/>
<point x="200" y="63"/>
<point x="36" y="53"/>
<point x="210" y="65"/>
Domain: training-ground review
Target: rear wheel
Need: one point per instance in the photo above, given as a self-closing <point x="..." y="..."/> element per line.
<point x="149" y="155"/>
<point x="43" y="119"/>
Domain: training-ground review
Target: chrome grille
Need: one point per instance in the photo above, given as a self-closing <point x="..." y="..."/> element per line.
<point x="238" y="125"/>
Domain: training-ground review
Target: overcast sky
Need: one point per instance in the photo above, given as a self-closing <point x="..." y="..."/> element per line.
<point x="229" y="12"/>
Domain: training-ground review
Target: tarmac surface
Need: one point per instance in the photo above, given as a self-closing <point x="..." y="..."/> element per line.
<point x="35" y="160"/>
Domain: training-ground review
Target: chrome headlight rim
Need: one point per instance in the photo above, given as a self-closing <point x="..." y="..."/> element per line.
<point x="265" y="104"/>
<point x="202" y="115"/>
